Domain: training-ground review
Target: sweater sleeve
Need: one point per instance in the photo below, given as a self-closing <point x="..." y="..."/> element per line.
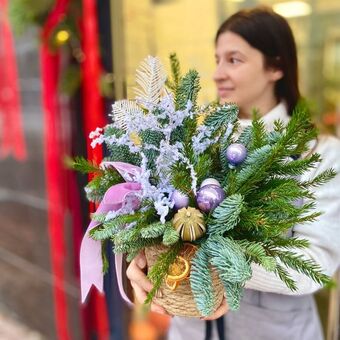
<point x="323" y="234"/>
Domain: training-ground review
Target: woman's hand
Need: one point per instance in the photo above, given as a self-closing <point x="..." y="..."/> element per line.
<point x="140" y="283"/>
<point x="221" y="310"/>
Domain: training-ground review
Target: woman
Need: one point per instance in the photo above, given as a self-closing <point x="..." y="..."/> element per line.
<point x="256" y="67"/>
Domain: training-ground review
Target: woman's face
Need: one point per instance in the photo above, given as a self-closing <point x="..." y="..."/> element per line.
<point x="241" y="77"/>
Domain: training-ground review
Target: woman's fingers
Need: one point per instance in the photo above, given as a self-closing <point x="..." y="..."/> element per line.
<point x="137" y="276"/>
<point x="140" y="293"/>
<point x="221" y="310"/>
<point x="140" y="283"/>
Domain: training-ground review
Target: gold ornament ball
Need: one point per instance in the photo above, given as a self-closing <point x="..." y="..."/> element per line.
<point x="189" y="223"/>
<point x="62" y="37"/>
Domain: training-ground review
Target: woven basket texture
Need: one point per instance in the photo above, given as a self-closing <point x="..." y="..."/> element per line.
<point x="180" y="302"/>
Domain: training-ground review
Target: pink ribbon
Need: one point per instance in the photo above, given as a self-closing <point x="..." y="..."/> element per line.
<point x="91" y="264"/>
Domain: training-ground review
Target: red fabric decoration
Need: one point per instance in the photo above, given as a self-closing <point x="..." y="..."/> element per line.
<point x="93" y="117"/>
<point x="12" y="131"/>
<point x="55" y="172"/>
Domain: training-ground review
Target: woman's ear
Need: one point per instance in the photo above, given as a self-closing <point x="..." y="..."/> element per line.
<point x="276" y="74"/>
<point x="275" y="70"/>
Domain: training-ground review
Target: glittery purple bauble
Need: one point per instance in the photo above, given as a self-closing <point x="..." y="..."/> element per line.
<point x="236" y="153"/>
<point x="209" y="181"/>
<point x="209" y="197"/>
<point x="180" y="200"/>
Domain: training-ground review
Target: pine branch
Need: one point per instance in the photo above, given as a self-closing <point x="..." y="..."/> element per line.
<point x="227" y="215"/>
<point x="284" y="276"/>
<point x="203" y="166"/>
<point x="175" y="72"/>
<point x="259" y="133"/>
<point x="222" y="116"/>
<point x="97" y="187"/>
<point x="201" y="282"/>
<point x="105" y="260"/>
<point x="321" y="179"/>
<point x="229" y="260"/>
<point x="296" y="167"/>
<point x="154" y="230"/>
<point x="188" y="91"/>
<point x="180" y="177"/>
<point x="109" y="228"/>
<point x="255" y="168"/>
<point x="302" y="265"/>
<point x="131" y="247"/>
<point x="246" y="136"/>
<point x="287" y="243"/>
<point x="82" y="165"/>
<point x="170" y="236"/>
<point x="233" y="295"/>
<point x="257" y="253"/>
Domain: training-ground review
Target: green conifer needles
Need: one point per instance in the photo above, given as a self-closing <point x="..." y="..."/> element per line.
<point x="265" y="195"/>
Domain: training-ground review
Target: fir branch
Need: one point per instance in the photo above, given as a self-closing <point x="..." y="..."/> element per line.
<point x="296" y="167"/>
<point x="259" y="134"/>
<point x="175" y="72"/>
<point x="104" y="232"/>
<point x="284" y="276"/>
<point x="257" y="253"/>
<point x="281" y="189"/>
<point x="222" y="116"/>
<point x="158" y="271"/>
<point x="321" y="179"/>
<point x="229" y="260"/>
<point x="302" y="265"/>
<point x="226" y="216"/>
<point x="181" y="177"/>
<point x="97" y="187"/>
<point x="154" y="230"/>
<point x="285" y="225"/>
<point x="203" y="166"/>
<point x="201" y="282"/>
<point x="232" y="266"/>
<point x="82" y="165"/>
<point x="131" y="247"/>
<point x="170" y="236"/>
<point x="286" y="242"/>
<point x="246" y="136"/>
<point x="254" y="169"/>
<point x="107" y="229"/>
<point x="233" y="295"/>
<point x="188" y="91"/>
<point x="121" y="153"/>
<point x="105" y="260"/>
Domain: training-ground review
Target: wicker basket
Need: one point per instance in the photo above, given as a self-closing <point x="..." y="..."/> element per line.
<point x="180" y="301"/>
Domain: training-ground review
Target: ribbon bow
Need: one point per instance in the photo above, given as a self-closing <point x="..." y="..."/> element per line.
<point x="91" y="263"/>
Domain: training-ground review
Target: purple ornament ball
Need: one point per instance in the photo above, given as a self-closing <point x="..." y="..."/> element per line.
<point x="209" y="197"/>
<point x="236" y="153"/>
<point x="209" y="181"/>
<point x="180" y="200"/>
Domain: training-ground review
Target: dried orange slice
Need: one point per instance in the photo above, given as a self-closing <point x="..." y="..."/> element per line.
<point x="178" y="270"/>
<point x="188" y="251"/>
<point x="171" y="284"/>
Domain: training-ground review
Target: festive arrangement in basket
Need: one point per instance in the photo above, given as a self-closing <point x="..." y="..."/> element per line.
<point x="203" y="199"/>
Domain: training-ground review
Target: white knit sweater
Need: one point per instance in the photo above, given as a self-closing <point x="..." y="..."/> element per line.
<point x="323" y="234"/>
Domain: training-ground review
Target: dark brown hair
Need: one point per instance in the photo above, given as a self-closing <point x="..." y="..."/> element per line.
<point x="271" y="34"/>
